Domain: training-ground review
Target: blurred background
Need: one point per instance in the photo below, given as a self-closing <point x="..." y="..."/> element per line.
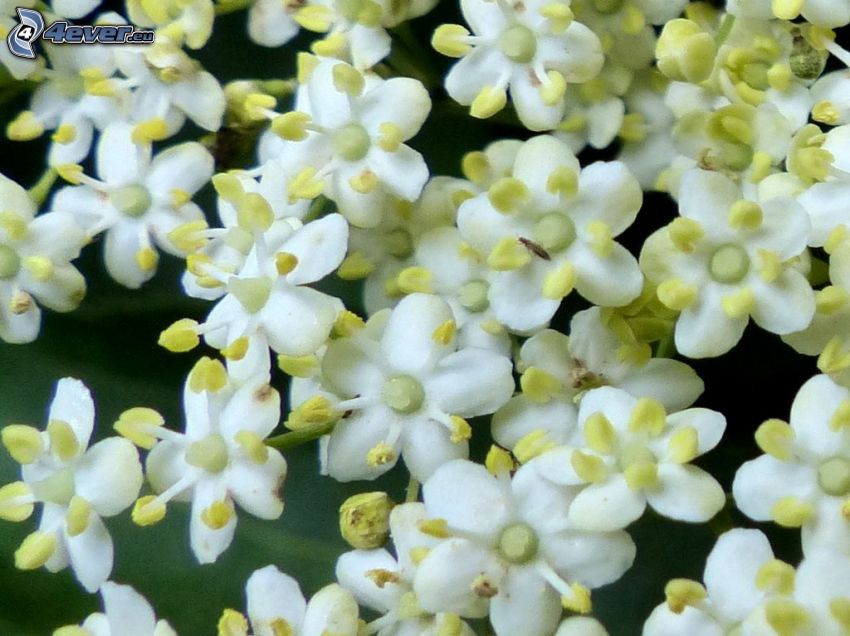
<point x="110" y="344"/>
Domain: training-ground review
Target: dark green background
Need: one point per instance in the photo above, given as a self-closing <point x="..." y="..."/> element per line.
<point x="110" y="343"/>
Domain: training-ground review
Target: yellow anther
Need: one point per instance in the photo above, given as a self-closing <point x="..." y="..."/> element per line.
<point x="304" y="185"/>
<point x="839" y="609"/>
<point x="252" y="445"/>
<point x="180" y="337"/>
<point x="138" y="424"/>
<point x="831" y="299"/>
<point x="451" y="625"/>
<point x="408" y="607"/>
<point x="488" y="102"/>
<point x="334" y="46"/>
<point x="298" y="366"/>
<point x="840" y="419"/>
<point x="835" y="356"/>
<point x="826" y="113"/>
<point x="533" y="444"/>
<point x="348" y="79"/>
<point x="381" y="577"/>
<point x="154" y="129"/>
<point x="364" y="520"/>
<point x="785" y="616"/>
<point x="16" y="502"/>
<point x="417" y="555"/>
<point x="508" y="254"/>
<point x="683" y="446"/>
<point x="633" y="20"/>
<point x="685" y="52"/>
<point x="745" y="215"/>
<point x="641" y="474"/>
<point x="256" y="106"/>
<point x="559" y="15"/>
<point x="776" y="577"/>
<point x="599" y="433"/>
<point x="682" y="593"/>
<point x="252" y="293"/>
<point x="71" y="630"/>
<point x="232" y="623"/>
<point x="775" y="438"/>
<point x="389" y="137"/>
<point x="24" y="443"/>
<point x="380" y="454"/>
<point x="600" y="239"/>
<point x="779" y="77"/>
<point x="760" y="167"/>
<point x="552" y="90"/>
<point x="77" y="516"/>
<point x="347" y="323"/>
<point x="188" y="237"/>
<point x="70" y="172"/>
<point x="237" y="349"/>
<point x="676" y="294"/>
<point x="791" y="512"/>
<point x="492" y="326"/>
<point x="460" y="429"/>
<point x="437" y="528"/>
<point x="787" y="9"/>
<point x="475" y="167"/>
<point x="562" y="181"/>
<point x="178" y="199"/>
<point x="35" y="550"/>
<point x="633" y="129"/>
<point x="147" y="511"/>
<point x="589" y="468"/>
<point x="539" y="385"/>
<point x="285" y="262"/>
<point x="498" y="461"/>
<point x="355" y="266"/>
<point x="305" y="63"/>
<point x="738" y="304"/>
<point x="835" y="239"/>
<point x="228" y="187"/>
<point x="64" y="134"/>
<point x="146" y="258"/>
<point x="558" y="283"/>
<point x="769" y="265"/>
<point x="450" y="40"/>
<point x="684" y="234"/>
<point x="507" y="194"/>
<point x="217" y="515"/>
<point x="579" y="601"/>
<point x="291" y="126"/>
<point x="444" y="333"/>
<point x="24" y="127"/>
<point x="593" y="90"/>
<point x="254" y="213"/>
<point x="414" y="279"/>
<point x="14" y="226"/>
<point x="63" y="441"/>
<point x="364" y="182"/>
<point x="314" y="411"/>
<point x="648" y="416"/>
<point x="576" y="122"/>
<point x="207" y="375"/>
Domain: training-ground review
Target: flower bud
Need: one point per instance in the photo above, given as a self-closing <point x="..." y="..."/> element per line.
<point x="364" y="520"/>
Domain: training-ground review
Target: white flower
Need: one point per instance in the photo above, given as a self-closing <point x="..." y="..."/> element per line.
<point x="533" y="49"/>
<point x="509" y="550"/>
<point x="139" y="200"/>
<point x="822" y="13"/>
<point x="384" y="583"/>
<point x="408" y="387"/>
<point x="266" y="296"/>
<point x="276" y="606"/>
<point x="77" y="486"/>
<point x="349" y="132"/>
<point x="803" y="479"/>
<point x="831" y="95"/>
<point x="125" y="613"/>
<point x="727" y="259"/>
<point x="581" y="626"/>
<point x="825" y="200"/>
<point x="271" y="22"/>
<point x="549" y="228"/>
<point x="219" y="460"/>
<point x="35" y="263"/>
<point x="629" y="452"/>
<point x="189" y="21"/>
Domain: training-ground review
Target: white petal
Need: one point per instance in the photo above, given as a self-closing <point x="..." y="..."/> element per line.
<point x="526" y="98"/>
<point x="813" y="406"/>
<point x="332" y="610"/>
<point x="402" y="172"/>
<point x="120" y="162"/>
<point x="120" y="247"/>
<point x="703" y="330"/>
<point x="72" y="403"/>
<point x="471" y="382"/>
<point x="254" y="407"/>
<point x="368" y="46"/>
<point x="202" y="99"/>
<point x="426" y="446"/>
<point x="708" y="424"/>
<point x="612" y="281"/>
<point x="401" y="101"/>
<point x="408" y="341"/>
<point x="269" y="23"/>
<point x="351" y="569"/>
<point x="759" y="483"/>
<point x="127" y="611"/>
<point x="608" y="505"/>
<point x="706" y="197"/>
<point x="525" y="605"/>
<point x="686" y="493"/>
<point x="319" y="247"/>
<point x="608" y="192"/>
<point x="592" y="559"/>
<point x="671" y="382"/>
<point x="208" y="544"/>
<point x="109" y="476"/>
<point x="91" y="553"/>
<point x="483" y="66"/>
<point x="694" y="622"/>
<point x="353" y="437"/>
<point x="297" y="320"/>
<point x="186" y="167"/>
<point x="730" y="572"/>
<point x="516" y="299"/>
<point x="256" y="488"/>
<point x="272" y="594"/>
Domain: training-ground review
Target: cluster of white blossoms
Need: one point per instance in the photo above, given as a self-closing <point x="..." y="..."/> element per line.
<point x="740" y="114"/>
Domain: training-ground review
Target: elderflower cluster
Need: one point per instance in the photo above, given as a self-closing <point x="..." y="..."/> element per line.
<point x="505" y="337"/>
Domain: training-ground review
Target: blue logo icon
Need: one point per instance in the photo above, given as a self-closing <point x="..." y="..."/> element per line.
<point x="23" y="36"/>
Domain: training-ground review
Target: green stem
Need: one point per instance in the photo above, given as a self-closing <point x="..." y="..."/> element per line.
<point x="38" y="193"/>
<point x="666" y="347"/>
<point x="285" y="441"/>
<point x="412" y="492"/>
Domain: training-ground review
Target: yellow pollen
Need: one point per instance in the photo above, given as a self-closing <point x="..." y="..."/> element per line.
<point x="599" y="433"/>
<point x="579" y="601"/>
<point x="589" y="468"/>
<point x="831" y="299"/>
<point x="63" y="441"/>
<point x="146" y="258"/>
<point x="776" y="438"/>
<point x="298" y="366"/>
<point x="684" y="233"/>
<point x="676" y="294"/>
<point x="437" y="528"/>
<point x="314" y="411"/>
<point x="207" y="375"/>
<point x="840" y="419"/>
<point x="445" y="333"/>
<point x="460" y="429"/>
<point x="232" y="623"/>
<point x="291" y="126"/>
<point x="738" y="304"/>
<point x="560" y="282"/>
<point x="508" y="254"/>
<point x="217" y="515"/>
<point x="539" y="385"/>
<point x="776" y="577"/>
<point x="641" y="475"/>
<point x="835" y="356"/>
<point x="25" y="127"/>
<point x="356" y="266"/>
<point x="415" y="279"/>
<point x="154" y="129"/>
<point x="648" y="416"/>
<point x="380" y="454"/>
<point x="180" y="337"/>
<point x="64" y="134"/>
<point x="498" y="461"/>
<point x="16" y="502"/>
<point x="285" y="262"/>
<point x="237" y="349"/>
<point x="745" y="215"/>
<point x="347" y="324"/>
<point x="507" y="194"/>
<point x="562" y="181"/>
<point x="77" y="516"/>
<point x="769" y="265"/>
<point x="23" y="442"/>
<point x="791" y="512"/>
<point x="449" y="40"/>
<point x="147" y="511"/>
<point x="35" y="550"/>
<point x="682" y="593"/>
<point x="533" y="444"/>
<point x="253" y="447"/>
<point x="683" y="446"/>
<point x="488" y="102"/>
<point x="785" y="616"/>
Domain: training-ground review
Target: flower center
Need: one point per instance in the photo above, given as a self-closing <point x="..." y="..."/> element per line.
<point x="473" y="295"/>
<point x="729" y="264"/>
<point x="9" y="262"/>
<point x="209" y="453"/>
<point x="834" y="476"/>
<point x="351" y="142"/>
<point x="403" y="393"/>
<point x="554" y="232"/>
<point x="608" y="6"/>
<point x="518" y="44"/>
<point x="132" y="200"/>
<point x="518" y="543"/>
<point x="399" y="243"/>
<point x="58" y="488"/>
